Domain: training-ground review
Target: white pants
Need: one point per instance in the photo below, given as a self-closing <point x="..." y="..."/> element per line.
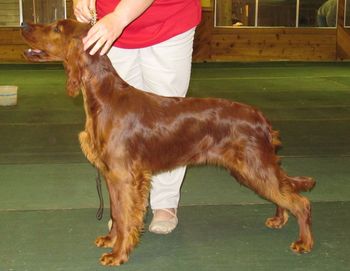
<point x="163" y="69"/>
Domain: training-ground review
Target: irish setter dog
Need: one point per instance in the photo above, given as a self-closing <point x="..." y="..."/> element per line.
<point x="130" y="135"/>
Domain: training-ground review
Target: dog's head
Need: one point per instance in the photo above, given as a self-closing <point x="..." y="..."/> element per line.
<point x="58" y="41"/>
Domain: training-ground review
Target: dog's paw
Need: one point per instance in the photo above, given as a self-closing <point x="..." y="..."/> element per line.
<point x="110" y="259"/>
<point x="105" y="241"/>
<point x="301" y="247"/>
<point x="276" y="222"/>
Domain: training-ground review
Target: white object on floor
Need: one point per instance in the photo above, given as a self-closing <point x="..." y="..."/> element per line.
<point x="8" y="95"/>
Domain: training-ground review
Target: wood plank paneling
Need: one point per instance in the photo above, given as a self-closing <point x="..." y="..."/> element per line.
<point x="262" y="44"/>
<point x="273" y="44"/>
<point x="10" y="36"/>
<point x="202" y="38"/>
<point x="12" y="53"/>
<point x="9" y="13"/>
<point x="235" y="44"/>
<point x="343" y="34"/>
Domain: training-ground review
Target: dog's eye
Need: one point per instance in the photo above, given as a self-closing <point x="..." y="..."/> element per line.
<point x="57" y="29"/>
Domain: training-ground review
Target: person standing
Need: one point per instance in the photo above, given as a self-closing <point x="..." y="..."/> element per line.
<point x="327" y="14"/>
<point x="150" y="44"/>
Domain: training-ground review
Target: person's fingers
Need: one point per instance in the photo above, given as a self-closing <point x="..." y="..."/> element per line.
<point x="97" y="46"/>
<point x="82" y="13"/>
<point x="102" y="35"/>
<point x="92" y="36"/>
<point x="106" y="47"/>
<point x="92" y="5"/>
<point x="82" y="18"/>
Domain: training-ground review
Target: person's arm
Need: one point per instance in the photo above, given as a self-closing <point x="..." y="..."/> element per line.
<point x="109" y="28"/>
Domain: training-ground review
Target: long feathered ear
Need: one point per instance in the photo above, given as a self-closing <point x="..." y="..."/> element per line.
<point x="73" y="69"/>
<point x="73" y="82"/>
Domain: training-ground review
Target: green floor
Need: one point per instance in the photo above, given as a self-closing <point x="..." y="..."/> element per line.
<point x="48" y="199"/>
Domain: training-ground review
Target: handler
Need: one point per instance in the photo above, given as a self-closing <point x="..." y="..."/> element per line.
<point x="150" y="44"/>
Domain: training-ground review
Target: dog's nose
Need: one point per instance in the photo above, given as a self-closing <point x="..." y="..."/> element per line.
<point x="25" y="26"/>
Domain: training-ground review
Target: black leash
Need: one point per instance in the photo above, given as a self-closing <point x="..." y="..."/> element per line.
<point x="99" y="213"/>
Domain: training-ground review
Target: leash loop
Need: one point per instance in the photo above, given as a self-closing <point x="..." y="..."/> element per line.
<point x="99" y="213"/>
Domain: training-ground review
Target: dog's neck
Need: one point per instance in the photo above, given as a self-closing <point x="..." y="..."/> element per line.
<point x="100" y="71"/>
<point x="100" y="83"/>
<point x="99" y="80"/>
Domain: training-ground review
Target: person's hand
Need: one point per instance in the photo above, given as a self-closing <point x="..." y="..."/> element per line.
<point x="103" y="34"/>
<point x="83" y="9"/>
<point x="110" y="27"/>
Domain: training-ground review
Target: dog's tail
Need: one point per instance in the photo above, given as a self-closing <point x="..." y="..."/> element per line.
<point x="298" y="183"/>
<point x="273" y="136"/>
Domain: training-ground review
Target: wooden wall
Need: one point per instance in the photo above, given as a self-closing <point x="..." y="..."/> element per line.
<point x="263" y="44"/>
<point x="343" y="35"/>
<point x="11" y="45"/>
<point x="9" y="12"/>
<point x="237" y="44"/>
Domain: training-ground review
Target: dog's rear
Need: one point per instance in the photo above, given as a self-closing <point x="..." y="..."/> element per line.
<point x="130" y="134"/>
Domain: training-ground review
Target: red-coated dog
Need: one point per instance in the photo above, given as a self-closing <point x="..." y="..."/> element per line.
<point x="130" y="135"/>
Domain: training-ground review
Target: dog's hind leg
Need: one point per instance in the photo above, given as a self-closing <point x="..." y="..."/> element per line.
<point x="298" y="184"/>
<point x="286" y="199"/>
<point x="300" y="207"/>
<point x="257" y="168"/>
<point x="279" y="219"/>
<point x="128" y="191"/>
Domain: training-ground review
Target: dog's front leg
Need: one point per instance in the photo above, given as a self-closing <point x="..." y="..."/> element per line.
<point x="128" y="197"/>
<point x="88" y="149"/>
<point x="108" y="241"/>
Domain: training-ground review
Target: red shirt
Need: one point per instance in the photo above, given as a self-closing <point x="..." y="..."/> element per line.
<point x="164" y="19"/>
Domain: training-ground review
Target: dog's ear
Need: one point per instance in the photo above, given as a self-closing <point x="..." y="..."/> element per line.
<point x="74" y="29"/>
<point x="80" y="30"/>
<point x="72" y="66"/>
<point x="73" y="82"/>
